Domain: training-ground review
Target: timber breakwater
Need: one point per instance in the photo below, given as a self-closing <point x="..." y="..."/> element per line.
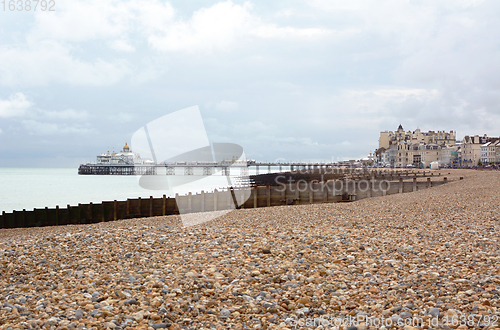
<point x="293" y="188"/>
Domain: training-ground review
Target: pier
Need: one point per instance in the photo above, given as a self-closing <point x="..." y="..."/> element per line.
<point x="198" y="168"/>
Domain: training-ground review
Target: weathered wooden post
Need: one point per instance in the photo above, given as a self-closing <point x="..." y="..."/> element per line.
<point x="150" y="206"/>
<point x="46" y="220"/>
<point x="216" y="199"/>
<point x="268" y="195"/>
<point x="103" y="215"/>
<point x="139" y="211"/>
<point x="202" y="201"/>
<point x="325" y="191"/>
<point x="2" y="220"/>
<point x="445" y="180"/>
<point x="164" y="205"/>
<point x="68" y="207"/>
<point x="178" y="202"/>
<point x="79" y="213"/>
<point x="57" y="215"/>
<point x="414" y="184"/>
<point x="242" y="197"/>
<point x="115" y="207"/>
<point x="283" y="193"/>
<point x="91" y="210"/>
<point x="353" y="195"/>
<point x="255" y="196"/>
<point x="297" y="191"/>
<point x="428" y="182"/>
<point x="400" y="185"/>
<point x="190" y="201"/>
<point x="311" y="192"/>
<point x="127" y="208"/>
<point x="229" y="198"/>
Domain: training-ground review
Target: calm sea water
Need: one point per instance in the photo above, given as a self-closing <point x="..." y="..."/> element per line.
<point x="28" y="188"/>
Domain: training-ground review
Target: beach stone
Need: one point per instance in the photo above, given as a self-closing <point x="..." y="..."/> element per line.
<point x="78" y="314"/>
<point x="225" y="313"/>
<point x="304" y="300"/>
<point x="186" y="277"/>
<point x="434" y="312"/>
<point x="405" y="315"/>
<point x="130" y="302"/>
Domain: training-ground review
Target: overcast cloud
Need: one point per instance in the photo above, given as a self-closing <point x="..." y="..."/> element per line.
<point x="289" y="80"/>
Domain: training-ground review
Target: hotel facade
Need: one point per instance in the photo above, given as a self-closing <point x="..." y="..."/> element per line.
<point x="402" y="148"/>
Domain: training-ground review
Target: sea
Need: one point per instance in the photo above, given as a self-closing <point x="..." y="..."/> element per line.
<point x="29" y="188"/>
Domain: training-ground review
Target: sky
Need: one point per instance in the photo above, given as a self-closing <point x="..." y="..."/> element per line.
<point x="287" y="80"/>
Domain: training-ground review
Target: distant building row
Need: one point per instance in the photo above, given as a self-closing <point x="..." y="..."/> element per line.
<point x="420" y="149"/>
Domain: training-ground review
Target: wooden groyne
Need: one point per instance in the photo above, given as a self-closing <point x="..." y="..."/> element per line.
<point x="300" y="192"/>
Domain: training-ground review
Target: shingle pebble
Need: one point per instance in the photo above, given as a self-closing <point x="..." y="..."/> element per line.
<point x="431" y="253"/>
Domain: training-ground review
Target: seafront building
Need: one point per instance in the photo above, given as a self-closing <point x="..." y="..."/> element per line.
<point x="416" y="148"/>
<point x="480" y="150"/>
<point x="489" y="151"/>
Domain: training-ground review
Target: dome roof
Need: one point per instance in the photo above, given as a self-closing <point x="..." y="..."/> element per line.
<point x="126" y="147"/>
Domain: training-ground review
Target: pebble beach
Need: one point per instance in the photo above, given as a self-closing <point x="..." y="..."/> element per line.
<point x="429" y="257"/>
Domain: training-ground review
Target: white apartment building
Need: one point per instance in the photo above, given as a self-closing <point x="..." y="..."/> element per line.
<point x="471" y="149"/>
<point x="387" y="138"/>
<point x="416" y="148"/>
<point x="497" y="152"/>
<point x="489" y="152"/>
